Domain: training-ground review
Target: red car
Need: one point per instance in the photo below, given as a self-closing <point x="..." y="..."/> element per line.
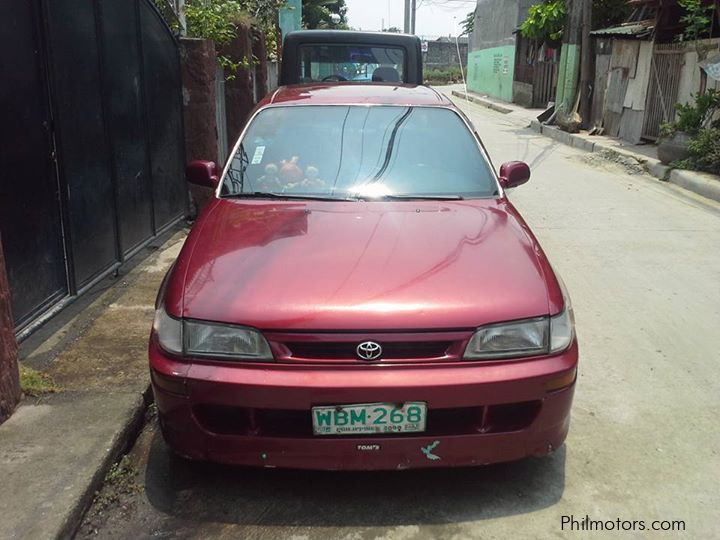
<point x="361" y="294"/>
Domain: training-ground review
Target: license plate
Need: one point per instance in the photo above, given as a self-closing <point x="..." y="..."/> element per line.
<point x="363" y="418"/>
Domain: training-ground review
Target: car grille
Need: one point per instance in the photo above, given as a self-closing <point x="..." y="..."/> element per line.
<point x="391" y="351"/>
<point x="324" y="348"/>
<point x="501" y="418"/>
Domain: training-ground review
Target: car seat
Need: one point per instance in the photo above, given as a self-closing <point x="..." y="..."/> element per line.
<point x="386" y="74"/>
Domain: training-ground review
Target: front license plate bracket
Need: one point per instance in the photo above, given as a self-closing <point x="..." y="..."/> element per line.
<point x="369" y="418"/>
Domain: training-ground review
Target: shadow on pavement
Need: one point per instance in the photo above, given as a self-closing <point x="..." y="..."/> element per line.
<point x="203" y="492"/>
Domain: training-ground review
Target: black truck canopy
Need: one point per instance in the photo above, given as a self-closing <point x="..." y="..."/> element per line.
<point x="340" y="55"/>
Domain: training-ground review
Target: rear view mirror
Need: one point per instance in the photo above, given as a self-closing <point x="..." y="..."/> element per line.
<point x="513" y="174"/>
<point x="203" y="173"/>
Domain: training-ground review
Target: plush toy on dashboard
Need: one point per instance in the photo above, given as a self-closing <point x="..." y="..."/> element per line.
<point x="312" y="180"/>
<point x="290" y="172"/>
<point x="270" y="181"/>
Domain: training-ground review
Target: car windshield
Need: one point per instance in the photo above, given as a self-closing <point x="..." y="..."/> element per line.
<point x="368" y="152"/>
<point x="351" y="63"/>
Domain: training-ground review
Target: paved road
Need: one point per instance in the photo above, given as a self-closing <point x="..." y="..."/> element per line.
<point x="642" y="262"/>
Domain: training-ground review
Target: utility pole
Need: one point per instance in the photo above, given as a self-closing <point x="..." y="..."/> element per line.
<point x="406" y="27"/>
<point x="181" y="17"/>
<point x="586" y="65"/>
<point x="413" y="13"/>
<point x="567" y="97"/>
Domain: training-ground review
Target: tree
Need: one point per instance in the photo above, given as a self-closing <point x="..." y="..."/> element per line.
<point x="546" y="21"/>
<point x="219" y="21"/>
<point x="697" y="19"/>
<point x="318" y="13"/>
<point x="9" y="379"/>
<point x="468" y="23"/>
<point x="607" y="13"/>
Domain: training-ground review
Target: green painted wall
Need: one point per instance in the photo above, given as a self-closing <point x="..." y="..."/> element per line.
<point x="490" y="71"/>
<point x="568" y="76"/>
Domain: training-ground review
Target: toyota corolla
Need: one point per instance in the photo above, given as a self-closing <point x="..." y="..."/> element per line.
<point x="361" y="294"/>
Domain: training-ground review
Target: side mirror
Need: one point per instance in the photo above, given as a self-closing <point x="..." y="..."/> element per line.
<point x="513" y="174"/>
<point x="203" y="173"/>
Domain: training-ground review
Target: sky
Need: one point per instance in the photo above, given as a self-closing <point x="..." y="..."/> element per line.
<point x="434" y="17"/>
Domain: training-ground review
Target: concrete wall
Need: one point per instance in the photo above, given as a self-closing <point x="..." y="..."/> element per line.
<point x="491" y="61"/>
<point x="272" y="76"/>
<point x="444" y="54"/>
<point x="198" y="77"/>
<point x="690" y="75"/>
<point x="523" y="94"/>
<point x="239" y="90"/>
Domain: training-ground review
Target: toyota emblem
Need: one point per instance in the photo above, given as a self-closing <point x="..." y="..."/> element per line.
<point x="368" y="350"/>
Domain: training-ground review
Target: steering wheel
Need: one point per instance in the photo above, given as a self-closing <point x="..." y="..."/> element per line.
<point x="338" y="78"/>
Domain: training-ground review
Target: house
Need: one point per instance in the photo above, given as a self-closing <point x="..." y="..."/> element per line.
<point x="493" y="46"/>
<point x="646" y="65"/>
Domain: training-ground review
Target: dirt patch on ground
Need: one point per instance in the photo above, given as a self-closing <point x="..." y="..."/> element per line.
<point x="112" y="351"/>
<point x="614" y="162"/>
<point x="115" y="501"/>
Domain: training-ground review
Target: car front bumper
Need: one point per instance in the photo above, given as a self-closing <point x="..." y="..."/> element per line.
<point x="478" y="413"/>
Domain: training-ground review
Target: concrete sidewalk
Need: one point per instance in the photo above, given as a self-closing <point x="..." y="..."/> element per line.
<point x="55" y="450"/>
<point x="644" y="156"/>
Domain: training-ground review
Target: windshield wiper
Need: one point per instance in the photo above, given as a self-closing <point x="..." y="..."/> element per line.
<point x="422" y="197"/>
<point x="270" y="195"/>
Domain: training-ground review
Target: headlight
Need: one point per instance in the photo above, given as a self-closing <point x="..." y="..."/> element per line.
<point x="522" y="338"/>
<point x="562" y="325"/>
<point x="209" y="339"/>
<point x="562" y="329"/>
<point x="531" y="337"/>
<point x="168" y="330"/>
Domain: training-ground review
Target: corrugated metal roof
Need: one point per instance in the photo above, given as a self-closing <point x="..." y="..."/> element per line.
<point x="635" y="30"/>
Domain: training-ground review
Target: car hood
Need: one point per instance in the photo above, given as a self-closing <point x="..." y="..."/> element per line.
<point x="316" y="265"/>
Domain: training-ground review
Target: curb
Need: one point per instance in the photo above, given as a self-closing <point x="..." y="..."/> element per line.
<point x="702" y="184"/>
<point x="483" y="102"/>
<point x="124" y="438"/>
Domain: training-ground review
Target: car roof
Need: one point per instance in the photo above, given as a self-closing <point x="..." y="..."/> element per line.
<point x="357" y="94"/>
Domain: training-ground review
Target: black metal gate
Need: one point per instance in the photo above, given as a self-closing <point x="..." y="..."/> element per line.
<point x="95" y="162"/>
<point x="30" y="222"/>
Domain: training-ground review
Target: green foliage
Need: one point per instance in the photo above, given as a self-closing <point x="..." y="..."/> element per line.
<point x="120" y="483"/>
<point x="691" y="118"/>
<point x="218" y="20"/>
<point x="468" y="23"/>
<point x="701" y="122"/>
<point x="697" y="19"/>
<point x="214" y="19"/>
<point x="318" y="13"/>
<point x="440" y="76"/>
<point x="607" y="13"/>
<point x="705" y="150"/>
<point x="545" y="21"/>
<point x="35" y="383"/>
